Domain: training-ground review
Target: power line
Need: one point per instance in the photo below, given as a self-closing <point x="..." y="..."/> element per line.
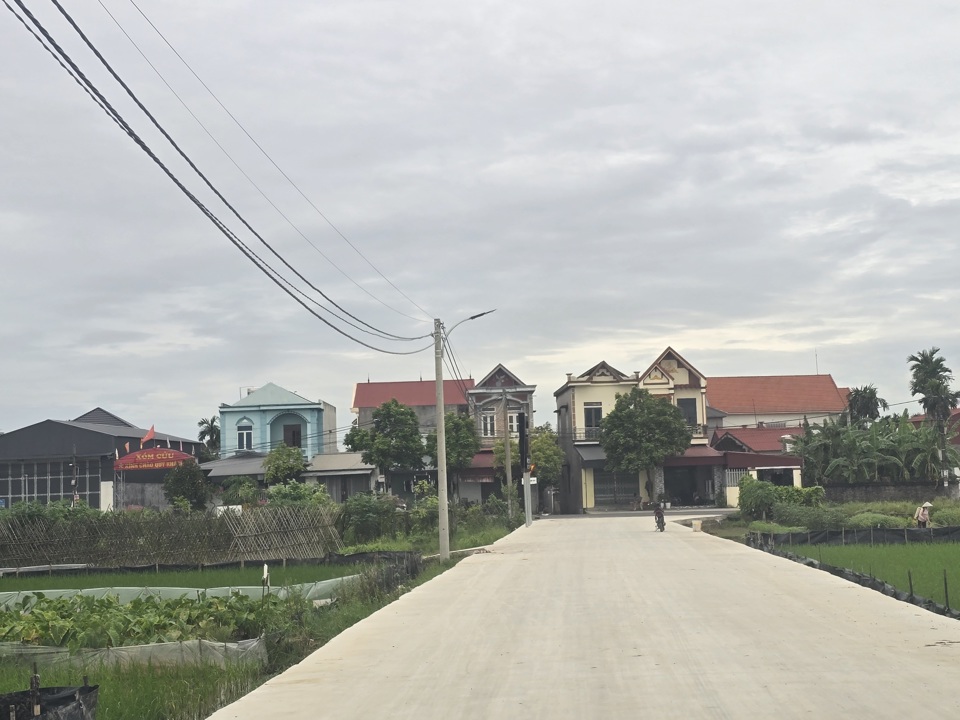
<point x="280" y="170"/>
<point x="381" y="333"/>
<point x="105" y="105"/>
<point x="229" y="156"/>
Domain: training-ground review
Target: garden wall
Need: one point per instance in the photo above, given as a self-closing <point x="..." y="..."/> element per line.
<point x="874" y="492"/>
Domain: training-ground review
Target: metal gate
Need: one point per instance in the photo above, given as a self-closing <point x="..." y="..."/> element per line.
<point x="611" y="489"/>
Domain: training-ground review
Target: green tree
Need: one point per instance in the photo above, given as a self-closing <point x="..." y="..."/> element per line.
<point x="500" y="456"/>
<point x="393" y="442"/>
<point x="546" y="455"/>
<point x="298" y="493"/>
<point x="209" y="434"/>
<point x="931" y="378"/>
<point x="460" y="438"/>
<point x="864" y="405"/>
<point x="283" y="464"/>
<point x="641" y="432"/>
<point x="186" y="482"/>
<point x="240" y="490"/>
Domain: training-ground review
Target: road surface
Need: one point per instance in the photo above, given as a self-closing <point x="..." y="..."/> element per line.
<point x="603" y="617"/>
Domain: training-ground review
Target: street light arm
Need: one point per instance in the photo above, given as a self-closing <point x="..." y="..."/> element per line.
<point x="472" y="317"/>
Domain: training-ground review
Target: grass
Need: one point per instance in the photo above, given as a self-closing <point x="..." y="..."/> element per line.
<point x="891" y="563"/>
<point x="219" y="577"/>
<point x="146" y="692"/>
<point x="430" y="544"/>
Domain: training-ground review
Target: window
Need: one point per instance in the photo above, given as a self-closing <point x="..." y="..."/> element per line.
<point x="512" y="425"/>
<point x="244" y="437"/>
<point x="592" y="414"/>
<point x="688" y="406"/>
<point x="488" y="424"/>
<point x="291" y="435"/>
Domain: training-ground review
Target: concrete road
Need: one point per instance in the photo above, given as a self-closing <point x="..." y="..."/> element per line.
<point x="603" y="617"/>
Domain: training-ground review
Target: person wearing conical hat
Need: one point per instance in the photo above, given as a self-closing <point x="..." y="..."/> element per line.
<point x="922" y="515"/>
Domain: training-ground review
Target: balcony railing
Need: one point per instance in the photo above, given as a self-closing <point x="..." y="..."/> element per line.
<point x="592" y="434"/>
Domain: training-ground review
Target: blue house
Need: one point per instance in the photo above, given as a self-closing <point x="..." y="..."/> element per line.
<point x="270" y="415"/>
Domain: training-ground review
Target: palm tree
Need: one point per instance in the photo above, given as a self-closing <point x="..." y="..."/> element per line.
<point x="931" y="380"/>
<point x="210" y="433"/>
<point x="865" y="405"/>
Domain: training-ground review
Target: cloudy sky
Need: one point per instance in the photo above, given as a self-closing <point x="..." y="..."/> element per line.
<point x="769" y="188"/>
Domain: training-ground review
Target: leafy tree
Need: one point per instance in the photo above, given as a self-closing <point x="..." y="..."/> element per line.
<point x="641" y="432"/>
<point x="546" y="454"/>
<point x="240" y="490"/>
<point x="864" y="405"/>
<point x="462" y="444"/>
<point x="931" y="378"/>
<point x="282" y="464"/>
<point x="757" y="497"/>
<point x="209" y="434"/>
<point x="500" y="456"/>
<point x="393" y="443"/>
<point x="298" y="493"/>
<point x="186" y="482"/>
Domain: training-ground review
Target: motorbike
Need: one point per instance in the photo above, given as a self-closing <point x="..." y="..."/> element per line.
<point x="661" y="523"/>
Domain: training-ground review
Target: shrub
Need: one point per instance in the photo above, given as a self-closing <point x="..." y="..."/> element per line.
<point x="864" y="520"/>
<point x="810" y="518"/>
<point x="946" y="517"/>
<point x="757" y="497"/>
<point x="365" y="517"/>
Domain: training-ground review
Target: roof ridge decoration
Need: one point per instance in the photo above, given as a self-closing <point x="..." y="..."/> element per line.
<point x="603" y="369"/>
<point x="500" y="369"/>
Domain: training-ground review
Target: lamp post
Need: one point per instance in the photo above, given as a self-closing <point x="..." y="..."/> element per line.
<point x="444" y="519"/>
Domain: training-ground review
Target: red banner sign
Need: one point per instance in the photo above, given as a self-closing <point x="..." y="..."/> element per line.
<point x="151" y="459"/>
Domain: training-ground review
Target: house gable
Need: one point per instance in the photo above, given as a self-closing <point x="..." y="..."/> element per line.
<point x="681" y="372"/>
<point x="603" y="372"/>
<point x="498" y="378"/>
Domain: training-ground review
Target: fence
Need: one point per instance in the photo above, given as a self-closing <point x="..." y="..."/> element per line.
<point x="868" y="536"/>
<point x="116" y="540"/>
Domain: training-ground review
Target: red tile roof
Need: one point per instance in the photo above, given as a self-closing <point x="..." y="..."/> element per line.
<point x="775" y="394"/>
<point x="414" y="393"/>
<point x="761" y="440"/>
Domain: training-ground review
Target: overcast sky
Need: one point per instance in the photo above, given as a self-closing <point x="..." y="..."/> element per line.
<point x="769" y="188"/>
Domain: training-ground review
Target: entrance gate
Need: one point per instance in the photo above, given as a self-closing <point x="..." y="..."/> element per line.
<point x="611" y="489"/>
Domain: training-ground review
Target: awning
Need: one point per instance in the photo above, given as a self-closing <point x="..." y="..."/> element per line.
<point x="592" y="456"/>
<point x="358" y="472"/>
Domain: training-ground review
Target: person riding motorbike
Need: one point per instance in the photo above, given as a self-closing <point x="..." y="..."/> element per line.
<point x="658" y="516"/>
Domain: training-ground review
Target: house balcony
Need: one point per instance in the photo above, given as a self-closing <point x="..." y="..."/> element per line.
<point x="590" y="434"/>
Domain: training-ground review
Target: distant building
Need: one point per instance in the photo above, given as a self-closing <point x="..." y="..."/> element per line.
<point x="74" y="459"/>
<point x="702" y="472"/>
<point x="271" y="415"/>
<point x="483" y="401"/>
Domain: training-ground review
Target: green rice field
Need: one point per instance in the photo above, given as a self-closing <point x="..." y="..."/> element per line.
<point x="927" y="564"/>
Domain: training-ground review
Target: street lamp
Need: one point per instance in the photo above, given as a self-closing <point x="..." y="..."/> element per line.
<point x="444" y="520"/>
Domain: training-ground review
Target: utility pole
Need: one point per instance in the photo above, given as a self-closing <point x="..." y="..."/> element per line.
<point x="444" y="519"/>
<point x="506" y="456"/>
